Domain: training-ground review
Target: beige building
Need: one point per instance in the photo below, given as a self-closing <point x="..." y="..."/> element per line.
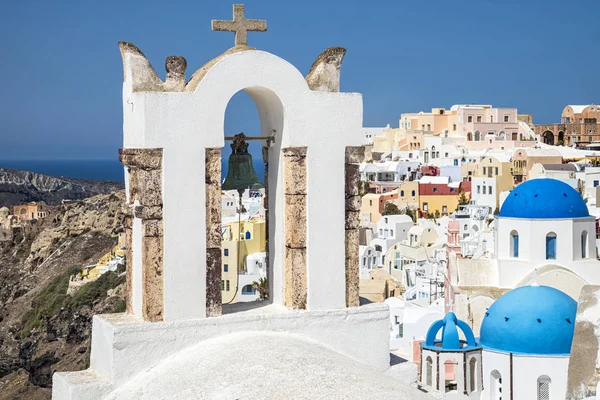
<point x="555" y="171"/>
<point x="492" y="177"/>
<point x="523" y="160"/>
<point x="32" y="210"/>
<point x="408" y="195"/>
<point x="579" y="126"/>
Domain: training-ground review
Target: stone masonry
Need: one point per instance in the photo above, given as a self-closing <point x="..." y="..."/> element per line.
<point x="354" y="156"/>
<point x="145" y="203"/>
<point x="295" y="285"/>
<point x="213" y="232"/>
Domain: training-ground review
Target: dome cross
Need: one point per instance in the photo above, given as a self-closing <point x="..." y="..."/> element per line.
<point x="240" y="25"/>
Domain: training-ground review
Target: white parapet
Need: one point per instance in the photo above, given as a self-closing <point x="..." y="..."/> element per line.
<point x="124" y="346"/>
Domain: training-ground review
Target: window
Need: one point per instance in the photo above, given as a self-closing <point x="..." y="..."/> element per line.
<point x="225" y="267"/>
<point x="222" y="285"/>
<point x="413" y="193"/>
<point x="496" y="170"/>
<point x="428" y="371"/>
<point x="226" y="252"/>
<point x="506" y="118"/>
<point x="489" y="190"/>
<point x="491" y="118"/>
<point x="451" y="190"/>
<point x="444" y="209"/>
<point x="484" y="170"/>
<point x="466" y="227"/>
<point x="434" y="190"/>
<point x="543" y="384"/>
<point x="495" y="385"/>
<point x="470" y="118"/>
<point x="479" y="118"/>
<point x="478" y="189"/>
<point x="370" y="202"/>
<point x="385" y="220"/>
<point x="248" y="290"/>
<point x="402" y="193"/>
<point x="596" y="183"/>
<point x="584" y="244"/>
<point x="425" y="206"/>
<point x="483" y="189"/>
<point x="428" y="127"/>
<point x="445" y="154"/>
<point x="551" y="246"/>
<point x="391" y="232"/>
<point x="514" y="244"/>
<point x="227" y="285"/>
<point x="473" y="373"/>
<point x="454" y="127"/>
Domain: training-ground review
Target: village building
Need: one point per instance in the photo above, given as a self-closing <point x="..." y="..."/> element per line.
<point x="523" y="160"/>
<point x="566" y="173"/>
<point x="439" y="196"/>
<point x="31" y="210"/>
<point x="243" y="260"/>
<point x="493" y="176"/>
<point x="408" y="195"/>
<point x="579" y="126"/>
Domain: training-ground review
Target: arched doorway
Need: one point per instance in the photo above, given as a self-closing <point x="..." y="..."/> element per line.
<point x="477" y="137"/>
<point x="561" y="138"/>
<point x="548" y="137"/>
<point x="469" y="136"/>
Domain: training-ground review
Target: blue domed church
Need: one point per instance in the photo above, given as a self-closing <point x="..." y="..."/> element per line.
<point x="522" y="351"/>
<point x="544" y="233"/>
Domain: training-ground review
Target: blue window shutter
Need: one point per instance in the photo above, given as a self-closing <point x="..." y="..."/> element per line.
<point x="550" y="247"/>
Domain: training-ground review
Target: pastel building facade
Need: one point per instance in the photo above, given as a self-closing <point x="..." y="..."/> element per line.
<point x="493" y="176"/>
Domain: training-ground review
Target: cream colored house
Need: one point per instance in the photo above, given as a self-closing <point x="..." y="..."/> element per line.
<point x="492" y="177"/>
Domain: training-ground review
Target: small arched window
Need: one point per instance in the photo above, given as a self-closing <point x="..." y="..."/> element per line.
<point x="514" y="244"/>
<point x="551" y="246"/>
<point x="543" y="387"/>
<point x="584" y="244"/>
<point x="248" y="236"/>
<point x="495" y="385"/>
<point x="402" y="193"/>
<point x="248" y="289"/>
<point x="466" y="227"/>
<point x="473" y="373"/>
<point x="428" y="371"/>
<point x="412" y="193"/>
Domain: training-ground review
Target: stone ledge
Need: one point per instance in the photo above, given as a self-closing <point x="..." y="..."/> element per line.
<point x="147" y="159"/>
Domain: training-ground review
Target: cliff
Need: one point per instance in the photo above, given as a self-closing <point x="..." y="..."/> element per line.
<point x="17" y="187"/>
<point x="42" y="329"/>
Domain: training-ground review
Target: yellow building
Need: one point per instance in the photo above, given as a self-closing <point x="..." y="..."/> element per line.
<point x="438" y="195"/>
<point x="408" y="195"/>
<point x="251" y="239"/>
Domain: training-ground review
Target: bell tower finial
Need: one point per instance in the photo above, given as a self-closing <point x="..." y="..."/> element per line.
<point x="240" y="25"/>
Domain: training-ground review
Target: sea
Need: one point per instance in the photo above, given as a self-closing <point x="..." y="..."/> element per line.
<point x="102" y="170"/>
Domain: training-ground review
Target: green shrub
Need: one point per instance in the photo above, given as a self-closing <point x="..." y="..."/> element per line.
<point x="53" y="297"/>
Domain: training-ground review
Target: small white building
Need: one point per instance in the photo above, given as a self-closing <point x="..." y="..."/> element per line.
<point x="390" y="229"/>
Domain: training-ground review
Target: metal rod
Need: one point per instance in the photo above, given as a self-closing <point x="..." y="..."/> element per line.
<point x="253" y="138"/>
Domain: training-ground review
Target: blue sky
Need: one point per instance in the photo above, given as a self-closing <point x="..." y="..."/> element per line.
<point x="62" y="71"/>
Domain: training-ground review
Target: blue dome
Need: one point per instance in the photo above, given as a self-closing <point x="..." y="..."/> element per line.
<point x="530" y="320"/>
<point x="450" y="336"/>
<point x="544" y="198"/>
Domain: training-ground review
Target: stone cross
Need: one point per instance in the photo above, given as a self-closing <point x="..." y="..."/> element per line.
<point x="240" y="25"/>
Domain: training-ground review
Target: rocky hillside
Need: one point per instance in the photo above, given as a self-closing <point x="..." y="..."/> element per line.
<point x="42" y="330"/>
<point x="18" y="187"/>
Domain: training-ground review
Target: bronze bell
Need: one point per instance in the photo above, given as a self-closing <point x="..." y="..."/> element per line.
<point x="241" y="174"/>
